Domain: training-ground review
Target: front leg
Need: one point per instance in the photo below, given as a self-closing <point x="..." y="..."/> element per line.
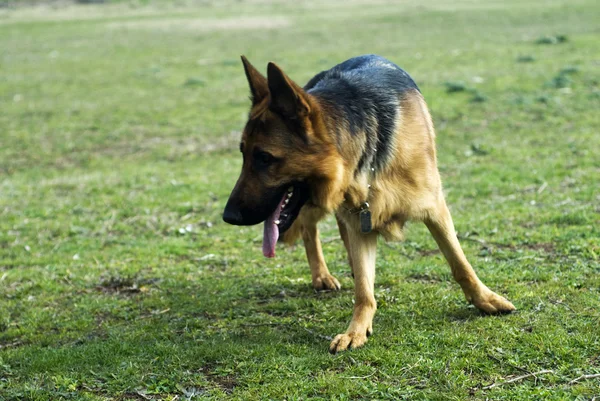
<point x="321" y="278"/>
<point x="362" y="252"/>
<point x="344" y="235"/>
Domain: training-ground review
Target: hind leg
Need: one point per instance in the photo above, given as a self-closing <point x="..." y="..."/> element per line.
<point x="321" y="278"/>
<point x="441" y="227"/>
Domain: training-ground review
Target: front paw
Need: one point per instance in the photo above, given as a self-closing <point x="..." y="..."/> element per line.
<point x="326" y="283"/>
<point x="488" y="301"/>
<point x="350" y="340"/>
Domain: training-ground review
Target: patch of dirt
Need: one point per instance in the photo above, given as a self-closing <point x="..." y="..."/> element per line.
<point x="12" y="344"/>
<point x="423" y="278"/>
<point x="139" y="395"/>
<point x="178" y="147"/>
<point x="547" y="247"/>
<point x="124" y="285"/>
<point x="132" y="148"/>
<point x="64" y="10"/>
<point x="529" y="224"/>
<point x="203" y="25"/>
<point x="132" y="396"/>
<point x="227" y="383"/>
<point x="428" y="252"/>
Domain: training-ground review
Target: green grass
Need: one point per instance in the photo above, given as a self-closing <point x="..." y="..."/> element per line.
<point x="118" y="134"/>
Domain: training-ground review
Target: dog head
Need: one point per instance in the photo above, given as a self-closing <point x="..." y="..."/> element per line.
<point x="284" y="146"/>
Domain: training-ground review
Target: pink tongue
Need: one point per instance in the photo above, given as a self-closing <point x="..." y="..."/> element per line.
<point x="271" y="231"/>
<point x="271" y="234"/>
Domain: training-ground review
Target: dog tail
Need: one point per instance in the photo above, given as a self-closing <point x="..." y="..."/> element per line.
<point x="293" y="233"/>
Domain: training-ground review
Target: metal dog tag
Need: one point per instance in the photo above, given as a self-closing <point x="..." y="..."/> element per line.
<point x="365" y="219"/>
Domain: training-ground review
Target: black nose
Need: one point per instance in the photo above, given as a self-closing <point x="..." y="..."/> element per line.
<point x="232" y="216"/>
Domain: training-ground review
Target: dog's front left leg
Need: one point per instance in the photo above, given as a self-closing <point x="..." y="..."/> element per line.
<point x="362" y="253"/>
<point x="321" y="278"/>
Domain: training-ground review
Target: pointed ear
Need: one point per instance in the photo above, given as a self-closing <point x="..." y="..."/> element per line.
<point x="287" y="98"/>
<point x="258" y="83"/>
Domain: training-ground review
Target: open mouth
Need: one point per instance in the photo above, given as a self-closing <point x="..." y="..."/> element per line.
<point x="294" y="197"/>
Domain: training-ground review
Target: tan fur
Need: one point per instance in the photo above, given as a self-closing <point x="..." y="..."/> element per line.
<point x="409" y="188"/>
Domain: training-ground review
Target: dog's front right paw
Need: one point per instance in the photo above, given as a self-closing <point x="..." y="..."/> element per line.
<point x="326" y="283"/>
<point x="349" y="340"/>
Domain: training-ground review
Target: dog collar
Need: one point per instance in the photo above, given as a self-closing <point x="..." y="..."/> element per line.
<point x="366" y="224"/>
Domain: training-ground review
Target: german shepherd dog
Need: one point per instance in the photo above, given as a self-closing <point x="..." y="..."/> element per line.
<point x="356" y="141"/>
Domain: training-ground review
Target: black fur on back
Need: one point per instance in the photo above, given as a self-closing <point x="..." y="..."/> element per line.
<point x="366" y="92"/>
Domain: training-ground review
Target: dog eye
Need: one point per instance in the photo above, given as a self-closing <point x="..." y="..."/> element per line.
<point x="263" y="159"/>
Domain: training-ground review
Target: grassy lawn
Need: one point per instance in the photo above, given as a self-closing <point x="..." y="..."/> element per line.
<point x="119" y="128"/>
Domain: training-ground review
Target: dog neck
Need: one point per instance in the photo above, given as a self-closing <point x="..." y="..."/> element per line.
<point x="348" y="182"/>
